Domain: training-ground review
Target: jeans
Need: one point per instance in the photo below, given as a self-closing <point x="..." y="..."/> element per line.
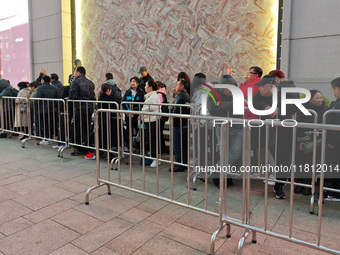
<point x="181" y="149"/>
<point x="235" y="143"/>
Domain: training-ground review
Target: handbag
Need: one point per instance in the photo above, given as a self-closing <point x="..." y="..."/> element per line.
<point x="23" y="107"/>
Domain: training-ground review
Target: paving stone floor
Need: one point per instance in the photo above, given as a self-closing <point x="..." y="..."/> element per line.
<point x="42" y="210"/>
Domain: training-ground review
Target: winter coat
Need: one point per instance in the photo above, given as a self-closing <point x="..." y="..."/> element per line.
<point x="151" y="98"/>
<point x="21" y="108"/>
<point x="58" y="85"/>
<point x="144" y="80"/>
<point x="46" y="90"/>
<point x="181" y="98"/>
<point x="109" y="98"/>
<point x="139" y="97"/>
<point x="261" y="102"/>
<point x="6" y="90"/>
<point x="116" y="92"/>
<point x="82" y="89"/>
<point x="244" y="87"/>
<point x="320" y="110"/>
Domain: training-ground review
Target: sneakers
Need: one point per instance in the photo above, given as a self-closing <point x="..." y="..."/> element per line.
<point x="90" y="155"/>
<point x="45" y="142"/>
<point x="278" y="190"/>
<point x="154" y="163"/>
<point x="332" y="198"/>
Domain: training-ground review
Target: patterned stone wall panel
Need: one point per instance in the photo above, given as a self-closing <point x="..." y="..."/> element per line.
<point x="170" y="36"/>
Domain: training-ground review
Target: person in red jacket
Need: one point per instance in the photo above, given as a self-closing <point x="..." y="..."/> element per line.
<point x="253" y="77"/>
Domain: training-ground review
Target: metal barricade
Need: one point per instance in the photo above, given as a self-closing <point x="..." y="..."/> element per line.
<point x="80" y="128"/>
<point x="118" y="181"/>
<point x="47" y="120"/>
<point x="15" y="115"/>
<point x="127" y="136"/>
<point x="247" y="214"/>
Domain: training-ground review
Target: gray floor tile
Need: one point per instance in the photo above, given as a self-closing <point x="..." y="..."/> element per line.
<point x="41" y="238"/>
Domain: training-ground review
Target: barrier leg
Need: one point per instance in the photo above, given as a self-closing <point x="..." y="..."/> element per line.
<point x="23" y="142"/>
<point x="228" y="231"/>
<point x="253" y="237"/>
<point x="115" y="162"/>
<point x="213" y="239"/>
<point x="87" y="197"/>
<point x="311" y="207"/>
<point x="241" y="242"/>
<point x="195" y="175"/>
<point x="61" y="151"/>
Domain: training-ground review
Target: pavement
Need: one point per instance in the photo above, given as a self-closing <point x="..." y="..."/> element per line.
<point x="42" y="210"/>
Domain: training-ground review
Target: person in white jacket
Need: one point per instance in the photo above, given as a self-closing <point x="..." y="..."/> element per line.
<point x="150" y="131"/>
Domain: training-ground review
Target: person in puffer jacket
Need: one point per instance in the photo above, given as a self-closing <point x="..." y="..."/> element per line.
<point x="134" y="94"/>
<point x="152" y="98"/>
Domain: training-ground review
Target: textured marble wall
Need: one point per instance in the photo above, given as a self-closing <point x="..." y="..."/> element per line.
<point x="170" y="36"/>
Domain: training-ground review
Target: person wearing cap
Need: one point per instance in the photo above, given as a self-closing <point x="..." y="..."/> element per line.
<point x="333" y="140"/>
<point x="264" y="101"/>
<point x="225" y="109"/>
<point x="145" y="77"/>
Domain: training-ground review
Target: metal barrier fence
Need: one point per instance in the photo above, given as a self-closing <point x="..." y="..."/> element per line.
<point x="246" y="211"/>
<point x="14" y="112"/>
<point x="124" y="179"/>
<point x="48" y="120"/>
<point x="79" y="125"/>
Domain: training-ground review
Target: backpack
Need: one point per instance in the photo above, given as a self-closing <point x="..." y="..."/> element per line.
<point x="164" y="108"/>
<point x="117" y="93"/>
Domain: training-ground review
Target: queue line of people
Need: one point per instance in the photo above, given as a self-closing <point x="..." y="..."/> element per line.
<point x="146" y="90"/>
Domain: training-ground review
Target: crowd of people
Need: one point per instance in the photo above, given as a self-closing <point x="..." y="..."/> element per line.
<point x="143" y="131"/>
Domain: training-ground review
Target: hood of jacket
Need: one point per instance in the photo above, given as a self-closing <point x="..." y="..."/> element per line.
<point x="3" y="84"/>
<point x="111" y="82"/>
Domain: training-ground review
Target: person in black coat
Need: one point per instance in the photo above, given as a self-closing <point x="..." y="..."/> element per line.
<point x="263" y="101"/>
<point x="81" y="89"/>
<point x="134" y="94"/>
<point x="6" y="90"/>
<point x="107" y="124"/>
<point x="145" y="77"/>
<point x="45" y="108"/>
<point x="304" y="139"/>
